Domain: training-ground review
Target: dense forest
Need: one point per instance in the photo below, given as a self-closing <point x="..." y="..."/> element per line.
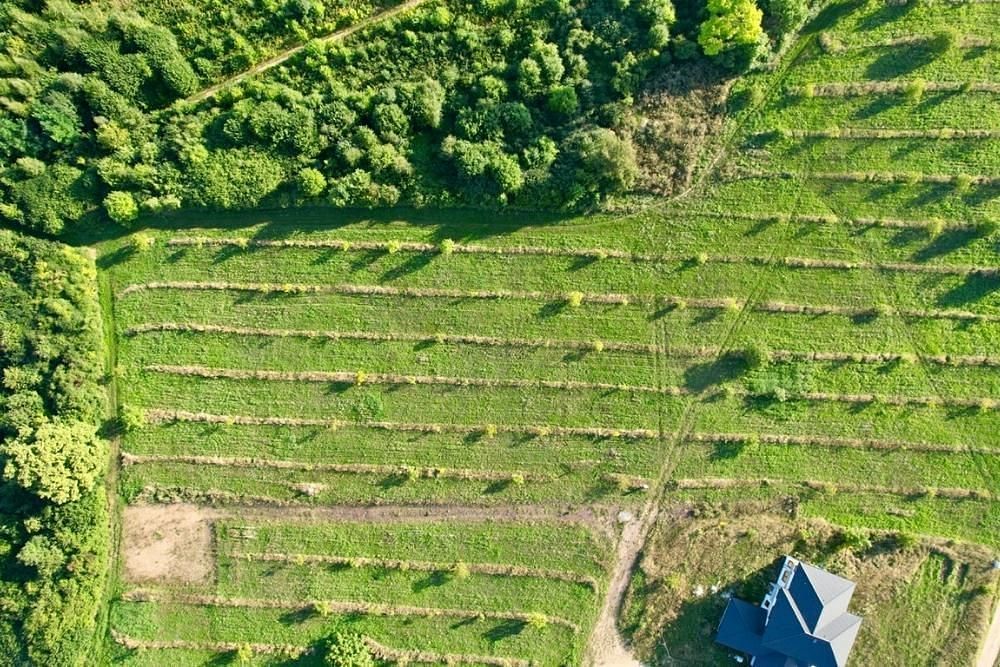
<point x="53" y="510"/>
<point x="483" y="102"/>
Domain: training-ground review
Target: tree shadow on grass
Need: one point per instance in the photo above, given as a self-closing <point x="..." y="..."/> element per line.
<point x="829" y="16"/>
<point x="700" y="377"/>
<point x="946" y="242"/>
<point x="111" y="259"/>
<point x="505" y="629"/>
<point x="297" y="616"/>
<point x="434" y="579"/>
<point x="973" y="289"/>
<point x="898" y="61"/>
<point x="412" y="265"/>
<point x="465" y="224"/>
<point x="551" y="309"/>
<point x="875" y="107"/>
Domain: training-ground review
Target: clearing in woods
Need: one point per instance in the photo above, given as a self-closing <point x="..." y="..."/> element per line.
<point x="815" y="331"/>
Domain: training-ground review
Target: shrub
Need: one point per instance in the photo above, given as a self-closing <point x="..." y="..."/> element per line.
<point x="963" y="184"/>
<point x="517" y="479"/>
<point x="447" y="247"/>
<point x="132" y="418"/>
<point x="310" y="183"/>
<point x="393" y="247"/>
<point x="360" y="378"/>
<point x="537" y="621"/>
<point x="808" y="90"/>
<point x="935" y="227"/>
<point x="348" y="649"/>
<point x="700" y="259"/>
<point x="490" y="431"/>
<point x="755" y="356"/>
<point x="460" y="571"/>
<point x="574" y="299"/>
<point x="142" y="242"/>
<point x="597" y="346"/>
<point x="244" y="654"/>
<point x="914" y="90"/>
<point x="855" y="539"/>
<point x="121" y="207"/>
<point x="906" y="540"/>
<point x="945" y="40"/>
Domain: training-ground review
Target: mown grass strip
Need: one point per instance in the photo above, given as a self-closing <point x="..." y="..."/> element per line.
<point x="882" y="133"/>
<point x="164" y="416"/>
<point x="362" y="378"/>
<point x="899" y="87"/>
<point x="128" y="459"/>
<point x="885" y="177"/>
<point x="835" y="443"/>
<point x="341" y="607"/>
<point x="572" y="299"/>
<point x="358" y="378"/>
<point x="833" y="219"/>
<point x="831" y="488"/>
<point x="492" y="569"/>
<point x="257" y="648"/>
<point x="577" y="345"/>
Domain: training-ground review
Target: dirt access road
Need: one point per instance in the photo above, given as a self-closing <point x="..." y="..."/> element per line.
<point x="276" y="60"/>
<point x="989" y="654"/>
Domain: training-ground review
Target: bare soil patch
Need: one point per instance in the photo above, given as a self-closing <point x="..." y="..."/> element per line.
<point x="168" y="543"/>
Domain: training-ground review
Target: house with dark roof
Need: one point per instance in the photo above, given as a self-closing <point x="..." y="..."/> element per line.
<point x="802" y="622"/>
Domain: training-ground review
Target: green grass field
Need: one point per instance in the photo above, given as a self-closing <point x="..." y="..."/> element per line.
<point x="593" y="362"/>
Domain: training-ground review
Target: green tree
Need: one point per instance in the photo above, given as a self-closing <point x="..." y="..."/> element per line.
<point x="732" y="32"/>
<point x="602" y="163"/>
<point x="58" y="462"/>
<point x="310" y="183"/>
<point x="788" y="15"/>
<point x="563" y="100"/>
<point x="121" y="207"/>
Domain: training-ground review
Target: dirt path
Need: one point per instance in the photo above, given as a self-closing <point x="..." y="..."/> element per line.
<point x="276" y="60"/>
<point x="989" y="654"/>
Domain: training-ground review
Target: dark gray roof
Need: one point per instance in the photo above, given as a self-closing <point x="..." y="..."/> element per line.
<point x="741" y="626"/>
<point x="807" y="625"/>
